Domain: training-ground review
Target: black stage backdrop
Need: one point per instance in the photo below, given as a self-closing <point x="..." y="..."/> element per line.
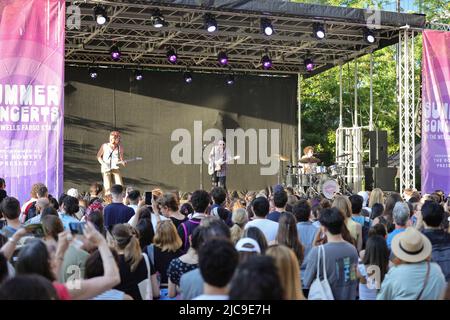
<point x="148" y="111"/>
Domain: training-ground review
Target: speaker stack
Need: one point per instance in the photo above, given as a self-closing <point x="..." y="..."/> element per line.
<point x="378" y="174"/>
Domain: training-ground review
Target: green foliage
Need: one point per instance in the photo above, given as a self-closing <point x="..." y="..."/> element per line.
<point x="320" y="94"/>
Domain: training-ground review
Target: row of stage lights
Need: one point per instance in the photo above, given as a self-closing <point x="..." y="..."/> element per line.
<point x="210" y="24"/>
<point x="138" y="76"/>
<point x="222" y="58"/>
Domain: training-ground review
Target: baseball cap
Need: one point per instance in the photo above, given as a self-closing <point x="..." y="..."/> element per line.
<point x="248" y="245"/>
<point x="73" y="193"/>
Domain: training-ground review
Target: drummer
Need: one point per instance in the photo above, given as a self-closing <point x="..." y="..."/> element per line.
<point x="309" y="167"/>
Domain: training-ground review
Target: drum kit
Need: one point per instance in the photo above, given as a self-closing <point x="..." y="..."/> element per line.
<point x="318" y="180"/>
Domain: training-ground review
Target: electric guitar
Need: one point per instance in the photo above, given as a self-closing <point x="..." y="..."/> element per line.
<point x="106" y="167"/>
<point x="217" y="165"/>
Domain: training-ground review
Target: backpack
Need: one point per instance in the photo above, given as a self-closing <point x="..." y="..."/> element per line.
<point x="441" y="255"/>
<point x="365" y="231"/>
<point x="30" y="211"/>
<point x="188" y="228"/>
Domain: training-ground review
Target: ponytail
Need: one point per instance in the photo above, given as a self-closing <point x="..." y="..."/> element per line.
<point x="127" y="241"/>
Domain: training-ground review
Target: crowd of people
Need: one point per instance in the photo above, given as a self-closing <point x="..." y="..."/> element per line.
<point x="272" y="244"/>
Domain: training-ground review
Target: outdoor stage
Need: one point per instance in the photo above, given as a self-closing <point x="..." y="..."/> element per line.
<point x="147" y="112"/>
<point x="150" y="111"/>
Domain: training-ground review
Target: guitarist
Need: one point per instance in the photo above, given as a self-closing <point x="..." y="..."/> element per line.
<point x="110" y="156"/>
<point x="218" y="157"/>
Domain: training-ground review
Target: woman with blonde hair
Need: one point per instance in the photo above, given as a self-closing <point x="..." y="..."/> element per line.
<point x="239" y="219"/>
<point x="354" y="228"/>
<point x="166" y="247"/>
<point x="288" y="271"/>
<point x="133" y="266"/>
<point x="376" y="196"/>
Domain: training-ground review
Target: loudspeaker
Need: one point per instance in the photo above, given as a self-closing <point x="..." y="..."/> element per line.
<point x="380" y="177"/>
<point x="378" y="156"/>
<point x="368" y="177"/>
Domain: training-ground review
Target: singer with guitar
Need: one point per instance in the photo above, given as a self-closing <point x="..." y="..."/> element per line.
<point x="217" y="168"/>
<point x="110" y="156"/>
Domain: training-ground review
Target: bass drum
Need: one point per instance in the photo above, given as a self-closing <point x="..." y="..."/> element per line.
<point x="329" y="187"/>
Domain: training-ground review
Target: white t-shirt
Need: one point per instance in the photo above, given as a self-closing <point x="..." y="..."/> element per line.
<point x="366" y="291"/>
<point x="268" y="227"/>
<point x="134" y="207"/>
<point x="211" y="297"/>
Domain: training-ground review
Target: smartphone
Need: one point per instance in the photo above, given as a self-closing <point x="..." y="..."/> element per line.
<point x="36" y="229"/>
<point x="77" y="227"/>
<point x="148" y="198"/>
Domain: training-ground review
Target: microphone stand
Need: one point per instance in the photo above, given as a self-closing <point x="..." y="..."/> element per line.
<point x="201" y="167"/>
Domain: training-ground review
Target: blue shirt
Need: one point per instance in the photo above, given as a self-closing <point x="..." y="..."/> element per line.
<point x="392" y="235"/>
<point x="274" y="216"/>
<point x="116" y="213"/>
<point x="66" y="219"/>
<point x="405" y="281"/>
<point x="307" y="231"/>
<point x="361" y="220"/>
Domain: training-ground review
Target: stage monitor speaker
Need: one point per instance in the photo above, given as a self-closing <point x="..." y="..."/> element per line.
<point x="380" y="177"/>
<point x="378" y="156"/>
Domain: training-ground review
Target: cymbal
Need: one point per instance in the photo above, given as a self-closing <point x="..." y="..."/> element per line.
<point x="344" y="155"/>
<point x="310" y="160"/>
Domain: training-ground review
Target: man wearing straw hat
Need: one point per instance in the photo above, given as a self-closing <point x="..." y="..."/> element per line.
<point x="413" y="277"/>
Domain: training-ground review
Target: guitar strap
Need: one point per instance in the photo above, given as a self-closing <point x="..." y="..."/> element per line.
<point x="111" y="154"/>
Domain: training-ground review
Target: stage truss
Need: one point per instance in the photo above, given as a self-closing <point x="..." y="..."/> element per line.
<point x="143" y="46"/>
<point x="407" y="108"/>
<point x="239" y="35"/>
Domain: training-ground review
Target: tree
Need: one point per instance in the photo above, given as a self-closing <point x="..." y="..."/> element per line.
<point x="320" y="94"/>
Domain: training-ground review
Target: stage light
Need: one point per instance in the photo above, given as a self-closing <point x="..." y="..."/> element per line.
<point x="266" y="62"/>
<point x="100" y="15"/>
<point x="93" y="73"/>
<point x="319" y="31"/>
<point x="223" y="58"/>
<point x="230" y="79"/>
<point x="266" y="27"/>
<point x="138" y="75"/>
<point x="115" y="53"/>
<point x="309" y="65"/>
<point x="210" y="23"/>
<point x="187" y="77"/>
<point x="369" y="36"/>
<point x="158" y="19"/>
<point x="172" y="56"/>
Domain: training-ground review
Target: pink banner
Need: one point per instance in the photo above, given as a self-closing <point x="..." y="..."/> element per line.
<point x="436" y="111"/>
<point x="31" y="95"/>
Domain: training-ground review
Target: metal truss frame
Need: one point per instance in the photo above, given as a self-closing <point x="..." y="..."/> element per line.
<point x="407" y="105"/>
<point x="239" y="35"/>
<point x="349" y="141"/>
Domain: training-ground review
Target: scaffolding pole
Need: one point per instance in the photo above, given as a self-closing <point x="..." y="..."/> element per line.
<point x="340" y="97"/>
<point x="355" y="123"/>
<point x="406" y="103"/>
<point x="299" y="117"/>
<point x="371" y="94"/>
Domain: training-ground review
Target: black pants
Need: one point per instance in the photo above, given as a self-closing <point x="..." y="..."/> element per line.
<point x="219" y="181"/>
